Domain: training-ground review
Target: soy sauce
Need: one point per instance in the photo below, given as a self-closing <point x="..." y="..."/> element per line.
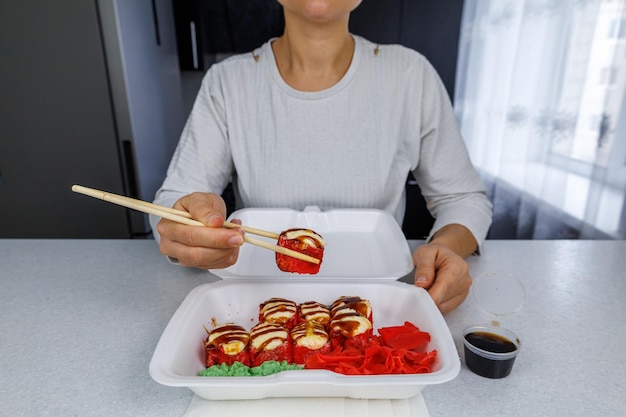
<point x="498" y="360"/>
<point x="490" y="342"/>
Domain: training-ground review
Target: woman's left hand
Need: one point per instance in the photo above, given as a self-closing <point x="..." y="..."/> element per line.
<point x="443" y="273"/>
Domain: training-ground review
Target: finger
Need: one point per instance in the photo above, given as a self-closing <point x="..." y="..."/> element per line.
<point x="451" y="303"/>
<point x="439" y="290"/>
<point x="204" y="258"/>
<point x="424" y="269"/>
<point x="450" y="289"/>
<point x="200" y="236"/>
<point x="192" y="251"/>
<point x="208" y="208"/>
<point x="423" y="280"/>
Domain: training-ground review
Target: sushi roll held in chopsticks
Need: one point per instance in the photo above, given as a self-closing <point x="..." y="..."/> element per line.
<point x="304" y="241"/>
<point x="227" y="344"/>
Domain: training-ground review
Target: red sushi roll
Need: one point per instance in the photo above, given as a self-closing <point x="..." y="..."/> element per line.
<point x="270" y="342"/>
<point x="227" y="344"/>
<point x="360" y="305"/>
<point x="314" y="311"/>
<point x="304" y="241"/>
<point x="350" y="329"/>
<point x="279" y="311"/>
<point x="309" y="337"/>
<point x="351" y="323"/>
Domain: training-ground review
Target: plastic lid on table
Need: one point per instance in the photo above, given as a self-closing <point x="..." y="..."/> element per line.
<point x="500" y="294"/>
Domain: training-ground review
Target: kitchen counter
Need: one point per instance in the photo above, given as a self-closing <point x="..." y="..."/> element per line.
<point x="81" y="319"/>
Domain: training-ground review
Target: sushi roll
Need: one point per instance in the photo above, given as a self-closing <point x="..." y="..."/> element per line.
<point x="309" y="337"/>
<point x="279" y="311"/>
<point x="314" y="311"/>
<point x="270" y="342"/>
<point x="227" y="344"/>
<point x="362" y="306"/>
<point x="351" y="323"/>
<point x="304" y="241"/>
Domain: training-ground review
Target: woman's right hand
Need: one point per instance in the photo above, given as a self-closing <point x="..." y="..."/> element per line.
<point x="212" y="247"/>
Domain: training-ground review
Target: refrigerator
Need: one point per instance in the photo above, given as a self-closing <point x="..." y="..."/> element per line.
<point x="91" y="95"/>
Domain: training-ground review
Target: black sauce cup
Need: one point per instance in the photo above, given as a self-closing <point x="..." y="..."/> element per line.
<point x="490" y="351"/>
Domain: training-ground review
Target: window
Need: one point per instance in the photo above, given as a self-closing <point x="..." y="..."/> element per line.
<point x="541" y="100"/>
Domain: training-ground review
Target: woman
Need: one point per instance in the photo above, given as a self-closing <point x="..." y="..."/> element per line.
<point x="321" y="117"/>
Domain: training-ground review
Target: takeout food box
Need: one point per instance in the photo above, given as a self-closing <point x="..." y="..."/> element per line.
<point x="366" y="252"/>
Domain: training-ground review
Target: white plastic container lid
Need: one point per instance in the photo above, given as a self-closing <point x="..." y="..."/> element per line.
<point x="360" y="244"/>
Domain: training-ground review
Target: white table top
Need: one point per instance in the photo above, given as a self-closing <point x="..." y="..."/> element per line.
<point x="81" y="319"/>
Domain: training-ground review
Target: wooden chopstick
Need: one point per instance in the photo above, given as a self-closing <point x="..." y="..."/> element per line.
<point x="228" y="225"/>
<point x="109" y="197"/>
<point x="185" y="218"/>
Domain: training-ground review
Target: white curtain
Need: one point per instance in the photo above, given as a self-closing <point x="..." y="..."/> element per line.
<point x="540" y="97"/>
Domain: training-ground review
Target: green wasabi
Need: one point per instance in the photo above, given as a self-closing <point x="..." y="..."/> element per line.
<point x="239" y="369"/>
<point x="272" y="367"/>
<point x="236" y="369"/>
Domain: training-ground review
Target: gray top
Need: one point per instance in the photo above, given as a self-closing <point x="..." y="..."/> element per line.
<point x="349" y="146"/>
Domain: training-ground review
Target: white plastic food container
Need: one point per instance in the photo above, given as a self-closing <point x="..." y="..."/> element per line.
<point x="365" y="254"/>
